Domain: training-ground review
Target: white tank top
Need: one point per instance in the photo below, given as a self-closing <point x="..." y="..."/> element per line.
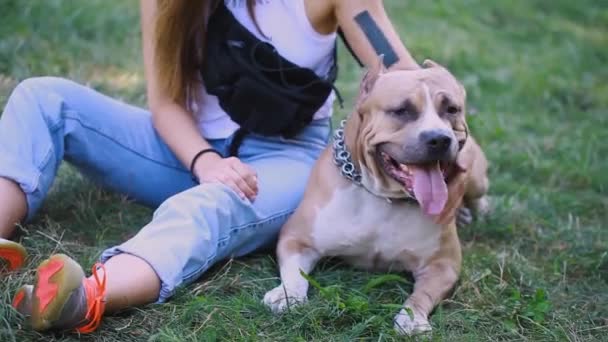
<point x="288" y="29"/>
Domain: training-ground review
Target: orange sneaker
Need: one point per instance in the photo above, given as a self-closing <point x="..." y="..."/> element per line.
<point x="22" y="301"/>
<point x="62" y="298"/>
<point x="12" y="254"/>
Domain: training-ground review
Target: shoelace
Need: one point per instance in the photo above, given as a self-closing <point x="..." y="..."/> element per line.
<point x="95" y="300"/>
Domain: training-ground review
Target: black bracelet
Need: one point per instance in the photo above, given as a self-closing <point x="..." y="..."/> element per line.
<point x="196" y="158"/>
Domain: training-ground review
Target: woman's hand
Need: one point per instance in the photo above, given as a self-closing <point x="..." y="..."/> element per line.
<point x="239" y="176"/>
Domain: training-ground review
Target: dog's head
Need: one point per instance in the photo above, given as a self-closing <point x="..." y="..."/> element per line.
<point x="409" y="127"/>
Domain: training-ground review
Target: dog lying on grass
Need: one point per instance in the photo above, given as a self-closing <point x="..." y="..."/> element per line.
<point x="384" y="195"/>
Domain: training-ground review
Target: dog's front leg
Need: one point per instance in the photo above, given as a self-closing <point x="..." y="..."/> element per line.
<point x="293" y="256"/>
<point x="432" y="284"/>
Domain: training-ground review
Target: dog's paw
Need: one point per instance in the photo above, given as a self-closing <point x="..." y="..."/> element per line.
<point x="483" y="206"/>
<point x="279" y="299"/>
<point x="405" y="325"/>
<point x="464" y="217"/>
<point x="477" y="209"/>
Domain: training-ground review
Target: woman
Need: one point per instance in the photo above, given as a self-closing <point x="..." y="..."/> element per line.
<point x="160" y="157"/>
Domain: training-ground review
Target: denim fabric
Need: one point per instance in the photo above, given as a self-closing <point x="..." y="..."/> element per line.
<point x="47" y="120"/>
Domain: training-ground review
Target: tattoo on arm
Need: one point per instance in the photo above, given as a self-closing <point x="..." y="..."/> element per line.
<point x="376" y="38"/>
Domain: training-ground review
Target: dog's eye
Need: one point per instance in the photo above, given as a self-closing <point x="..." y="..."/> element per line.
<point x="406" y="109"/>
<point x="403" y="111"/>
<point x="452" y="110"/>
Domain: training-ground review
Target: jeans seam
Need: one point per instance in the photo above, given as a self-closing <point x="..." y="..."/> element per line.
<point x="122" y="145"/>
<point x="195" y="274"/>
<point x="45" y="161"/>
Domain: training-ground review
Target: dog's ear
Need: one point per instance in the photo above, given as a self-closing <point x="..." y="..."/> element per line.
<point x="429" y="63"/>
<point x="374" y="70"/>
<point x="463" y="89"/>
<point x="461" y="130"/>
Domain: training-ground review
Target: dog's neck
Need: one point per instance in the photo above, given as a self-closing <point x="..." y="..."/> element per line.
<point x="351" y="135"/>
<point x="343" y="158"/>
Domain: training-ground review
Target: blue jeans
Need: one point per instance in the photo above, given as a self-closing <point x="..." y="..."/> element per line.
<point x="47" y="120"/>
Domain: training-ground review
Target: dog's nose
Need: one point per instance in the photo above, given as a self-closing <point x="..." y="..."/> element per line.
<point x="437" y="142"/>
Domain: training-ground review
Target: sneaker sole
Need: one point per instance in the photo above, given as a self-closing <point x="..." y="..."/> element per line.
<point x="56" y="278"/>
<point x="13" y="253"/>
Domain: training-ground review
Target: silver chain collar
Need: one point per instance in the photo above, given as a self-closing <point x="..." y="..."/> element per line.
<point x="342" y="157"/>
<point x="343" y="160"/>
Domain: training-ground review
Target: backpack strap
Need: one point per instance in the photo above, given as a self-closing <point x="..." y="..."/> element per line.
<point x="348" y="47"/>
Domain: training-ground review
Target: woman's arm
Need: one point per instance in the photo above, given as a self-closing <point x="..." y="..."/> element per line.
<point x="369" y="33"/>
<point x="177" y="126"/>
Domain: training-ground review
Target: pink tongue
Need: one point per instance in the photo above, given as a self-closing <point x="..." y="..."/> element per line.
<point x="430" y="188"/>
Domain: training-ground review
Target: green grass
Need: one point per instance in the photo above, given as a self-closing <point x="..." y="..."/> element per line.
<point x="537" y="269"/>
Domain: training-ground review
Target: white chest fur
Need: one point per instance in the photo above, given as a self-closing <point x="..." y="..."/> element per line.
<point x="373" y="233"/>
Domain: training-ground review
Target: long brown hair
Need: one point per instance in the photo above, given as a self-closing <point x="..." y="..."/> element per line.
<point x="180" y="41"/>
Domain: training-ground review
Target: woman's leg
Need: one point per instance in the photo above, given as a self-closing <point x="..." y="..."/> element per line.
<point x="121" y="293"/>
<point x="12" y="210"/>
<point x="13" y="207"/>
<point x="47" y="120"/>
<point x="203" y="225"/>
<point x="200" y="226"/>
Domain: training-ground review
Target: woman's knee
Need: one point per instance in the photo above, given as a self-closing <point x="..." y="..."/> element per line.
<point x="37" y="97"/>
<point x="208" y="214"/>
<point x="39" y="87"/>
<point x="191" y="201"/>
